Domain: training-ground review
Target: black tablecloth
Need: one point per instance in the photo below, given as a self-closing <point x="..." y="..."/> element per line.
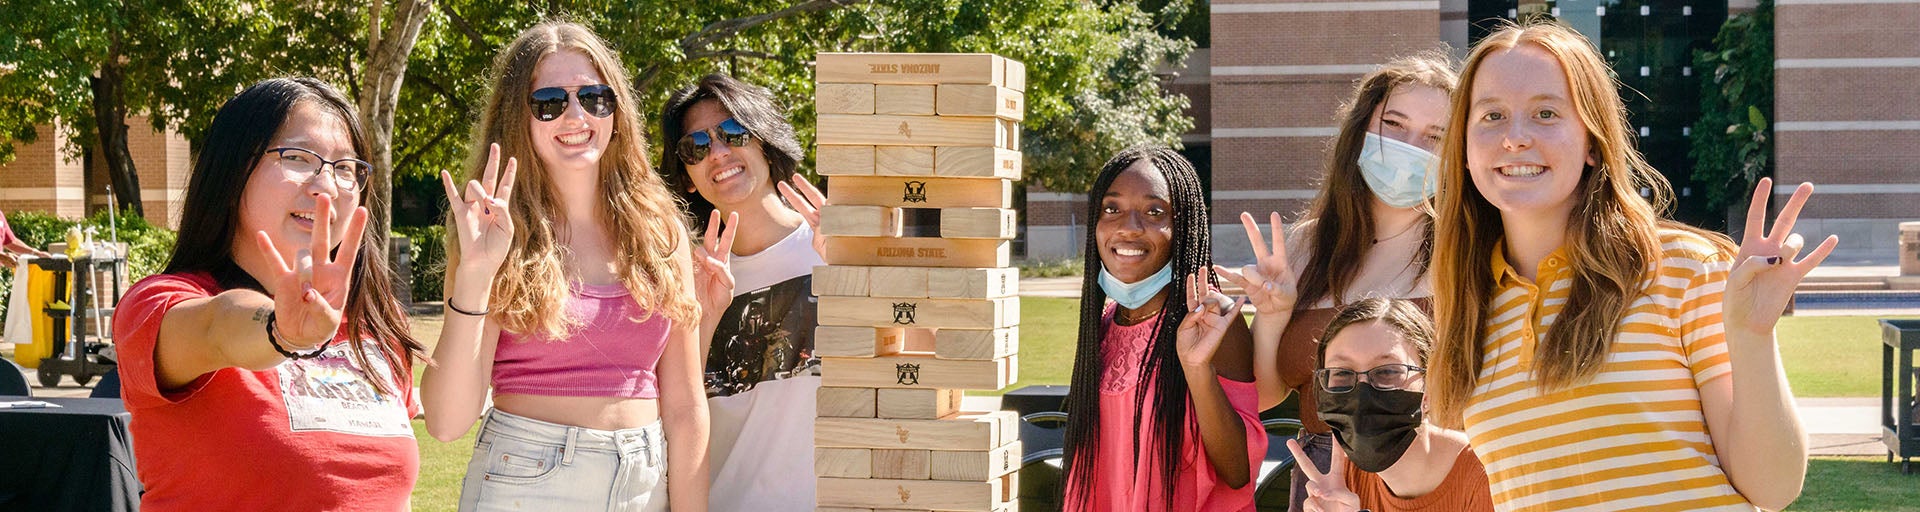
<point x="78" y="456"/>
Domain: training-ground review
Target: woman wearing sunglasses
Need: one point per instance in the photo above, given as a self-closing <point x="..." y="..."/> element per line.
<point x="1369" y="385"/>
<point x="569" y="294"/>
<point x="733" y="154"/>
<point x="273" y="331"/>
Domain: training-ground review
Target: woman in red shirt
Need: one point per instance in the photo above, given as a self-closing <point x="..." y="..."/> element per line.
<point x="269" y="366"/>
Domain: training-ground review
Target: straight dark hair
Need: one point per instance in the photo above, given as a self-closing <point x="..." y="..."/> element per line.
<point x="1160" y="364"/>
<point x="210" y="219"/>
<point x="754" y="107"/>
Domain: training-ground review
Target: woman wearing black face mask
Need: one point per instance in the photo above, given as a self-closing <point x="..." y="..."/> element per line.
<point x="1370" y="390"/>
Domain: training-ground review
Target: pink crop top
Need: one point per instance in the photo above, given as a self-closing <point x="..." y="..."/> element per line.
<point x="609" y="355"/>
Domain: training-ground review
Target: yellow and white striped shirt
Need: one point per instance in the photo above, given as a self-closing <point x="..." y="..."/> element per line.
<point x="1633" y="438"/>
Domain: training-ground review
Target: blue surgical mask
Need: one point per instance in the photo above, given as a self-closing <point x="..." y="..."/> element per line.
<point x="1134" y="295"/>
<point x="1400" y="174"/>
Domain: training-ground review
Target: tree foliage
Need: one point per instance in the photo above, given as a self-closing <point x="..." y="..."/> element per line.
<point x="1733" y="143"/>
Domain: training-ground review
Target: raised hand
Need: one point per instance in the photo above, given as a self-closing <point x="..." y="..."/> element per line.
<point x="1209" y="314"/>
<point x="712" y="265"/>
<point x="482" y="226"/>
<point x="807" y="200"/>
<point x="309" y="296"/>
<point x="1765" y="272"/>
<point x="1326" y="490"/>
<point x="1269" y="283"/>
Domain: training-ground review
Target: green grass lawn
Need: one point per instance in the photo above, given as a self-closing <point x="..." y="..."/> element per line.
<point x="1850" y="484"/>
<point x="1831" y="356"/>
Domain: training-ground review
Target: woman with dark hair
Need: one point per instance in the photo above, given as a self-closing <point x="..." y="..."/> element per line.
<point x="1368" y="233"/>
<point x="732" y="153"/>
<point x="273" y="331"/>
<point x="1161" y="410"/>
<point x="569" y="297"/>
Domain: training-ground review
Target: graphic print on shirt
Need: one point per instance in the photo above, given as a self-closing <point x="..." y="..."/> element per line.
<point x="766" y="334"/>
<point x="331" y="393"/>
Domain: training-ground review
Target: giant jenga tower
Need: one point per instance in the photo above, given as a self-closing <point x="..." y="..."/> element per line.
<point x="909" y="322"/>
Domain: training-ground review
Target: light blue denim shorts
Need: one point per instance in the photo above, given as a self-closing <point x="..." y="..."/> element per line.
<point x="521" y="463"/>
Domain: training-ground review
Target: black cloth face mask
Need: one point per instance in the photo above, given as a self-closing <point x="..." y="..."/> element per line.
<point x="1374" y="427"/>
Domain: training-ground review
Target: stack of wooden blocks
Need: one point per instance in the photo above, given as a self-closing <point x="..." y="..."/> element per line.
<point x="907" y="323"/>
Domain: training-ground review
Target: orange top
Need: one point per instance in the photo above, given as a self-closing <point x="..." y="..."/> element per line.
<point x="1464" y="489"/>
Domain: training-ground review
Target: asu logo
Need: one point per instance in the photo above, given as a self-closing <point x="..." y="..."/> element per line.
<point x="906" y="130"/>
<point x="904" y="493"/>
<point x="909" y="375"/>
<point x="903" y="312"/>
<point x="902" y="432"/>
<point x="916" y="192"/>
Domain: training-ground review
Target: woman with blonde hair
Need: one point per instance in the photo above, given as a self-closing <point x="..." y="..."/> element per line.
<point x="569" y="293"/>
<point x="1368" y="233"/>
<point x="1601" y="357"/>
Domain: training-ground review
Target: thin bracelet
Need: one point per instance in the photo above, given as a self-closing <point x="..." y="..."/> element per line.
<point x="456" y="309"/>
<point x="273" y="338"/>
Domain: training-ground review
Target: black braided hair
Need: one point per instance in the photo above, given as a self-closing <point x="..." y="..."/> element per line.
<point x="1192" y="250"/>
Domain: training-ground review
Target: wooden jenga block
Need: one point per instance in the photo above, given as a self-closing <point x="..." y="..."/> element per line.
<point x="974" y="344"/>
<point x="928" y="313"/>
<point x="843" y="280"/>
<point x="971" y="431"/>
<point x="975" y="466"/>
<point x="842" y="341"/>
<point x="903" y="464"/>
<point x="902" y="282"/>
<point x="1000" y="223"/>
<point x="896" y="130"/>
<point x="912" y="100"/>
<point x="843" y="98"/>
<point x="919" y="371"/>
<point x="976" y="162"/>
<point x="945" y="495"/>
<point x="922" y="192"/>
<point x="903" y="161"/>
<point x="842" y="509"/>
<point x="846" y="402"/>
<point x="1015" y="75"/>
<point x="917" y="404"/>
<point x="971" y="283"/>
<point x="1009" y="131"/>
<point x="919" y="251"/>
<point x="982" y="101"/>
<point x="860" y="220"/>
<point x="845" y="160"/>
<point x="843" y="462"/>
<point x="912" y="68"/>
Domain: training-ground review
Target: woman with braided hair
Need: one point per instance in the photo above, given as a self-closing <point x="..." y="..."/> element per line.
<point x="1162" y="409"/>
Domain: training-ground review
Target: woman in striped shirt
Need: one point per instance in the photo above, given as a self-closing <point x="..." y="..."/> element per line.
<point x="1599" y="356"/>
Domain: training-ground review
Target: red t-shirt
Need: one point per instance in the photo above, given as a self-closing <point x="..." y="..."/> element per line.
<point x="309" y="434"/>
<point x="6" y="232"/>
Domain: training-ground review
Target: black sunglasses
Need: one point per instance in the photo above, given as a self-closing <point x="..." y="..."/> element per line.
<point x="693" y="147"/>
<point x="551" y="102"/>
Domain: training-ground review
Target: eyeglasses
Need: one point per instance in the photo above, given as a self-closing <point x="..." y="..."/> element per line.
<point x="1386" y="377"/>
<point x="693" y="147"/>
<point x="550" y="103"/>
<point x="303" y="164"/>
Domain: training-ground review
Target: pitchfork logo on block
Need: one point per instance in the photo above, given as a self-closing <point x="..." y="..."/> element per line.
<point x="916" y="192"/>
<point x="909" y="374"/>
<point x="906" y="130"/>
<point x="903" y="312"/>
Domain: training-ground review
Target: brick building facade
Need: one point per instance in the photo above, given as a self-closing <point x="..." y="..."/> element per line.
<point x="48" y="175"/>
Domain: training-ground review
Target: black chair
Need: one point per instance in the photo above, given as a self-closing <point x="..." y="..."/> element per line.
<point x="109" y="386"/>
<point x="1273" y="492"/>
<point x="13" y="380"/>
<point x="1043" y="436"/>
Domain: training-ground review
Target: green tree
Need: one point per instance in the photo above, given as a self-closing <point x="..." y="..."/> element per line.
<point x="1733" y="143"/>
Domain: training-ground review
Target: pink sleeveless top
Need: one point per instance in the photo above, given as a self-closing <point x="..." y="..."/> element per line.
<point x="610" y="354"/>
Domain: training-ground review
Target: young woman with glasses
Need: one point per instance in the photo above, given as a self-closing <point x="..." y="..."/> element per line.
<point x="273" y="331"/>
<point x="570" y="295"/>
<point x="733" y="155"/>
<point x="1369" y="386"/>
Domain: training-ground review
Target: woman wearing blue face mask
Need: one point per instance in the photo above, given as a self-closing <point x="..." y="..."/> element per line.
<point x="1367" y="234"/>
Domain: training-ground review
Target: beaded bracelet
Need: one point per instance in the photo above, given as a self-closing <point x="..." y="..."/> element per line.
<point x="273" y="337"/>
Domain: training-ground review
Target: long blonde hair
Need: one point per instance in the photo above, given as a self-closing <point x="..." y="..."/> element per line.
<point x="1343" y="229"/>
<point x="643" y="223"/>
<point x="1612" y="235"/>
